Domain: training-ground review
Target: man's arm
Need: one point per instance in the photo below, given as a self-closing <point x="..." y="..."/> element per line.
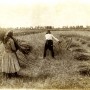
<point x="55" y="38"/>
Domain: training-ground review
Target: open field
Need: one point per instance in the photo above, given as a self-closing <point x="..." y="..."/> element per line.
<point x="69" y="70"/>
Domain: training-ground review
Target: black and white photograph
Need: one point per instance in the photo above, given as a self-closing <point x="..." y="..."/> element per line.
<point x="45" y="44"/>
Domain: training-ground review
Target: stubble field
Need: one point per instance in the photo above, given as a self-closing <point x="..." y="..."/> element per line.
<point x="69" y="70"/>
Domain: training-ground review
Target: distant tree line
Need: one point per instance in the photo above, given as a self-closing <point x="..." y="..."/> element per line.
<point x="48" y="27"/>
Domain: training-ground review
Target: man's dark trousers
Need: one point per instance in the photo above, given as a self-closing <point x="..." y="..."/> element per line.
<point x="48" y="45"/>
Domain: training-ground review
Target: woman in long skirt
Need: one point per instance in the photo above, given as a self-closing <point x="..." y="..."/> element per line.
<point x="10" y="64"/>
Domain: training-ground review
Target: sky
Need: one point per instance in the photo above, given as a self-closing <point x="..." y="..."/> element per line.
<point x="57" y="13"/>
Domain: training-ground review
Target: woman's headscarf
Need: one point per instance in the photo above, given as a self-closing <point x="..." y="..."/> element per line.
<point x="7" y="35"/>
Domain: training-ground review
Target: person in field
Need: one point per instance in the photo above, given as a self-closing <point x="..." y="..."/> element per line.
<point x="49" y="43"/>
<point x="10" y="64"/>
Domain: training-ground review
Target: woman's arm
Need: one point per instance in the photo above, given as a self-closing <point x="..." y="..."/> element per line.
<point x="12" y="45"/>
